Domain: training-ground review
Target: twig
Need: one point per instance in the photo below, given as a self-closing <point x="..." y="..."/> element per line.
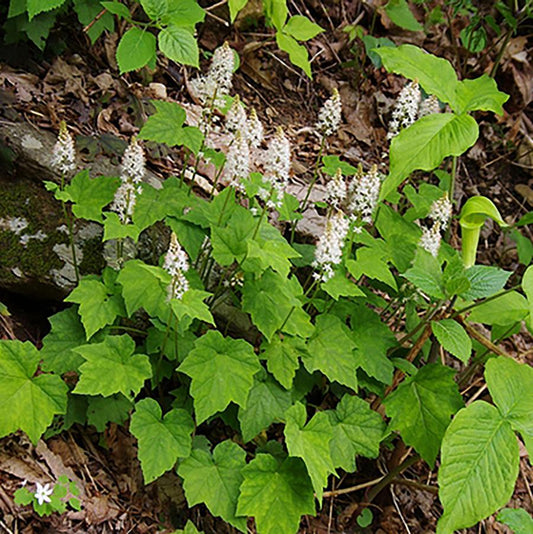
<point x="217" y="18"/>
<point x="214" y="6"/>
<point x="351" y="489"/>
<point x="478" y="336"/>
<point x="417" y="485"/>
<point x="394" y="501"/>
<point x="95" y="20"/>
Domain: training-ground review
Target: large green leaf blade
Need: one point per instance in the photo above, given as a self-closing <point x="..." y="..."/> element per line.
<point x="481" y="93"/>
<point x="453" y="338"/>
<point x="162" y="440"/>
<point x="215" y="479"/>
<point x="222" y="371"/>
<point x="282" y="355"/>
<point x="480" y="461"/>
<point x="399" y="12"/>
<point x="26" y="402"/>
<point x="421" y="408"/>
<point x="135" y="49"/>
<point x="425" y="144"/>
<point x="276" y="493"/>
<point x="179" y="45"/>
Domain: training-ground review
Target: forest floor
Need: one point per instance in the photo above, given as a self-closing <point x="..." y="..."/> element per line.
<point x="103" y="109"/>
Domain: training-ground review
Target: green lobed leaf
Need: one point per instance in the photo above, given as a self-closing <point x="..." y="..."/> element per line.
<point x="277" y="493"/>
<point x="311" y="443"/>
<point x="266" y="404"/>
<point x="453" y="338"/>
<point x="340" y="286"/>
<point x="357" y="429"/>
<point x="112" y="367"/>
<point x="189" y="529"/>
<point x="426" y="274"/>
<point x="479" y="466"/>
<point x="426" y="143"/>
<point x="506" y="309"/>
<point x="135" y="49"/>
<point x="399" y="12"/>
<point x="230" y="242"/>
<point x="34" y="7"/>
<point x="162" y="440"/>
<point x="27" y="402"/>
<point x="511" y="388"/>
<point x="192" y="305"/>
<point x="66" y="333"/>
<point x="98" y="307"/>
<point x="297" y="52"/>
<point x="481" y="93"/>
<point x="115" y="229"/>
<point x="222" y="371"/>
<point x="215" y="479"/>
<point x="517" y="519"/>
<point x="330" y="350"/>
<point x="179" y="45"/>
<point x="104" y="410"/>
<point x="282" y="355"/>
<point x="373" y="263"/>
<point x="485" y="281"/>
<point x="421" y="408"/>
<point x="301" y="28"/>
<point x="436" y="75"/>
<point x="275" y="253"/>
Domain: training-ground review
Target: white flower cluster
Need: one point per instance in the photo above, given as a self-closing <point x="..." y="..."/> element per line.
<point x="363" y="194"/>
<point x="255" y="130"/>
<point x="238" y="161"/>
<point x="440" y="213"/>
<point x="328" y="251"/>
<point x="277" y="166"/>
<point x="329" y="116"/>
<point x="336" y="190"/>
<point x="63" y="153"/>
<point x="132" y="168"/>
<point x="405" y="111"/>
<point x="211" y="88"/>
<point x="176" y="264"/>
<point x="429" y="106"/>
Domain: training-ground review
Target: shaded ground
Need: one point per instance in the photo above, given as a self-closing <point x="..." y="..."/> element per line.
<point x="82" y="87"/>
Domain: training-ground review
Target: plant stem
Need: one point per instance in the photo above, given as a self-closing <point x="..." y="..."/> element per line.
<point x="483" y="301"/>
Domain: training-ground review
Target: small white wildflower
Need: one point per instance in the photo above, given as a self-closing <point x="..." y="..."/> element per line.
<point x="441" y="211"/>
<point x="363" y="194"/>
<point x="430" y="239"/>
<point x="63" y="153"/>
<point x="336" y="189"/>
<point x="429" y="106"/>
<point x="329" y="116"/>
<point x="236" y="119"/>
<point x="176" y="264"/>
<point x="328" y="251"/>
<point x="238" y="162"/>
<point x="405" y="111"/>
<point x="42" y="494"/>
<point x="133" y="162"/>
<point x="255" y="129"/>
<point x="278" y="162"/>
<point x="124" y="202"/>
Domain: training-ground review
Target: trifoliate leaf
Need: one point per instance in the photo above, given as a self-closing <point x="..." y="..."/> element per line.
<point x="282" y="355"/>
<point x="98" y="307"/>
<point x="297" y="52"/>
<point x="357" y="429"/>
<point x="330" y="350"/>
<point x="222" y="371"/>
<point x="103" y="410"/>
<point x="89" y="195"/>
<point x="269" y="300"/>
<point x="421" y="408"/>
<point x="162" y="440"/>
<point x="27" y="402"/>
<point x="373" y="339"/>
<point x="65" y="334"/>
<point x="267" y="403"/>
<point x="276" y="493"/>
<point x="311" y="443"/>
<point x="215" y="480"/>
<point x="453" y="338"/>
<point x="111" y="367"/>
<point x="479" y="466"/>
<point x="511" y="388"/>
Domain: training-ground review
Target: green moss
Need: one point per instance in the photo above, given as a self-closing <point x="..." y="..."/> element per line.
<point x="93" y="259"/>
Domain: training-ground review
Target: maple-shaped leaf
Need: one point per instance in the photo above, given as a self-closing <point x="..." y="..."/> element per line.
<point x="230" y="241"/>
<point x="222" y="371"/>
<point x="267" y="403"/>
<point x="215" y="479"/>
<point x="282" y="355"/>
<point x="89" y="195"/>
<point x="66" y="333"/>
<point x="422" y="406"/>
<point x="98" y="306"/>
<point x="311" y="443"/>
<point x="162" y="440"/>
<point x="115" y="229"/>
<point x="330" y="350"/>
<point x="275" y="253"/>
<point x="111" y="367"/>
<point x="277" y="493"/>
<point x="192" y="305"/>
<point x="27" y="402"/>
<point x="357" y="429"/>
<point x="103" y="410"/>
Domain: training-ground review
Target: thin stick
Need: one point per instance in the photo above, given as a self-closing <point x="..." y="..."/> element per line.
<point x="351" y="489"/>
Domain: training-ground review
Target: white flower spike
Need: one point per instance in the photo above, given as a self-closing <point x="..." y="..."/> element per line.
<point x="42" y="493"/>
<point x="329" y="116"/>
<point x="328" y="251"/>
<point x="176" y="264"/>
<point x="64" y="153"/>
<point x="406" y="109"/>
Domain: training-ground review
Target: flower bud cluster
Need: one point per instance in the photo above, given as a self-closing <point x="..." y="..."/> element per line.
<point x="363" y="194"/>
<point x="329" y="116"/>
<point x="176" y="264"/>
<point x="440" y="213"/>
<point x="238" y="161"/>
<point x="132" y="173"/>
<point x="64" y="153"/>
<point x="405" y="111"/>
<point x="429" y="106"/>
<point x="277" y="166"/>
